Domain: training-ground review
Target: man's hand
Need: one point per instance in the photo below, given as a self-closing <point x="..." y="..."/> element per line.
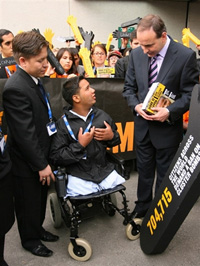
<point x="46" y="175"/>
<point x="142" y="113"/>
<point x="161" y="115"/>
<point x="85" y="139"/>
<point x="104" y="133"/>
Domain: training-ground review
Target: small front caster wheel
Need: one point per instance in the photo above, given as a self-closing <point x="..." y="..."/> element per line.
<point x="84" y="251"/>
<point x="133" y="232"/>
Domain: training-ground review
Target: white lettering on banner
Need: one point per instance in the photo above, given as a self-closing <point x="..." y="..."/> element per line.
<point x="185" y="166"/>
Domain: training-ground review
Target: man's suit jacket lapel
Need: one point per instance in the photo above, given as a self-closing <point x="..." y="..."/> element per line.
<point x="32" y="84"/>
<point x="37" y="89"/>
<point x="169" y="60"/>
<point x="145" y="72"/>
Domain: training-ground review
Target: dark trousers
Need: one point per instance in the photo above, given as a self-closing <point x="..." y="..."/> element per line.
<point x="2" y="240"/>
<point x="7" y="211"/>
<point x="30" y="206"/>
<point x="150" y="160"/>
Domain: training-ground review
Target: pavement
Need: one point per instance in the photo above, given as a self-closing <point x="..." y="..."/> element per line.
<point x="109" y="242"/>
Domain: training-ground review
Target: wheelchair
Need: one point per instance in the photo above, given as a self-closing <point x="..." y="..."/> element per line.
<point x="72" y="210"/>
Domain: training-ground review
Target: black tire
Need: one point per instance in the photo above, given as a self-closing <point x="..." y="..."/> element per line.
<point x="55" y="212"/>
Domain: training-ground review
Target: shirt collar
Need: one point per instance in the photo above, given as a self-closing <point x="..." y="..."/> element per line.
<point x="82" y="117"/>
<point x="34" y="79"/>
<point x="163" y="51"/>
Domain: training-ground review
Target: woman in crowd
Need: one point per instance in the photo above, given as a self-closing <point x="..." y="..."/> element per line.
<point x="66" y="59"/>
<point x="98" y="56"/>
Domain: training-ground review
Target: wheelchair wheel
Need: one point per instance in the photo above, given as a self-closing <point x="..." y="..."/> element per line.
<point x="107" y="208"/>
<point x="134" y="233"/>
<point x="113" y="199"/>
<point x="84" y="251"/>
<point x="55" y="212"/>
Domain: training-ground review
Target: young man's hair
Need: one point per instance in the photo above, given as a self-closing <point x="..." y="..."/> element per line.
<point x="28" y="44"/>
<point x="2" y="33"/>
<point x="133" y="35"/>
<point x="70" y="88"/>
<point x="154" y="22"/>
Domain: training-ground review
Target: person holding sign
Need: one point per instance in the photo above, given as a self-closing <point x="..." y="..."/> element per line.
<point x="66" y="58"/>
<point x="98" y="55"/>
<point x="30" y="124"/>
<point x="157" y="136"/>
<point x="6" y="38"/>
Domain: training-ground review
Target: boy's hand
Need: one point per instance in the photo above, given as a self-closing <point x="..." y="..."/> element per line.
<point x="104" y="133"/>
<point x="85" y="139"/>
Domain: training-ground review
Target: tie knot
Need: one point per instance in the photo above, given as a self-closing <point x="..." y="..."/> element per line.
<point x="41" y="88"/>
<point x="39" y="82"/>
<point x="155" y="58"/>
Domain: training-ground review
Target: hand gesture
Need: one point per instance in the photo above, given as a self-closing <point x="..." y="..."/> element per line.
<point x="85" y="138"/>
<point x="119" y="34"/>
<point x="104" y="133"/>
<point x="88" y="37"/>
<point x="48" y="34"/>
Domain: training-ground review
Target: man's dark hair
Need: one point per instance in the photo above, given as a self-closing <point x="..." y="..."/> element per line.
<point x="28" y="44"/>
<point x="2" y="33"/>
<point x="133" y="35"/>
<point x="70" y="88"/>
<point x="154" y="22"/>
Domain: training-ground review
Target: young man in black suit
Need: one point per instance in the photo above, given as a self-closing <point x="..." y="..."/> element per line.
<point x="29" y="118"/>
<point x="158" y="136"/>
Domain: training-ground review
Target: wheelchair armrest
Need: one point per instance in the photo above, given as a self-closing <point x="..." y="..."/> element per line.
<point x="118" y="161"/>
<point x="116" y="158"/>
<point x="61" y="181"/>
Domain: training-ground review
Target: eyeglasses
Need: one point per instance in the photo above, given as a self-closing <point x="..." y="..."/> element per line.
<point x="98" y="54"/>
<point x="113" y="58"/>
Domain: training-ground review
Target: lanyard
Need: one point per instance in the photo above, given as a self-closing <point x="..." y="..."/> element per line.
<point x="49" y="108"/>
<point x="46" y="100"/>
<point x="70" y="130"/>
<point x="1" y="133"/>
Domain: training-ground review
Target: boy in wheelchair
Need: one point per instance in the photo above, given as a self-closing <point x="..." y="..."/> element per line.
<point x="83" y="134"/>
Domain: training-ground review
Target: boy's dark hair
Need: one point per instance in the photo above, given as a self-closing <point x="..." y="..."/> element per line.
<point x="70" y="88"/>
<point x="28" y="44"/>
<point x="2" y="33"/>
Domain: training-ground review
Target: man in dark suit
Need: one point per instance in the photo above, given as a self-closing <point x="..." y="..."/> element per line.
<point x="6" y="192"/>
<point x="158" y="136"/>
<point x="29" y="118"/>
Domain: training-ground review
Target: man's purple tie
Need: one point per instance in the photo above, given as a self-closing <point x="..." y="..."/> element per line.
<point x="153" y="70"/>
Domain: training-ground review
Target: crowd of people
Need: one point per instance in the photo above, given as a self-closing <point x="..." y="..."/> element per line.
<point x="37" y="142"/>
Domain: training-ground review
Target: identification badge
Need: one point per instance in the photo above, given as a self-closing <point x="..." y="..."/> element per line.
<point x="51" y="128"/>
<point x="2" y="144"/>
